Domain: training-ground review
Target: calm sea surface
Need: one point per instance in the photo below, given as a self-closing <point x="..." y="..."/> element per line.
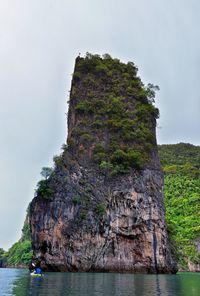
<point x="19" y="282"/>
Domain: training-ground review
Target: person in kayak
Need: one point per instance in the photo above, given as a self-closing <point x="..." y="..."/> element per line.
<point x="31" y="267"/>
<point x="38" y="270"/>
<point x="35" y="269"/>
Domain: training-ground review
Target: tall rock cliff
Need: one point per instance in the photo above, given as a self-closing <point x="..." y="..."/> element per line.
<point x="102" y="207"/>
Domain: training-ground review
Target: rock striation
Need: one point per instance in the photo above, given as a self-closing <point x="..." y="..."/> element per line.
<point x="102" y="207"/>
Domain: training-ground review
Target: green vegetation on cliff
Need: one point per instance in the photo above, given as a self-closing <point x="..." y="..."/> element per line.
<point x="2" y="257"/>
<point x="20" y="253"/>
<point x="116" y="114"/>
<point x="2" y="252"/>
<point x="44" y="188"/>
<point x="182" y="158"/>
<point x="115" y="120"/>
<point x="181" y="165"/>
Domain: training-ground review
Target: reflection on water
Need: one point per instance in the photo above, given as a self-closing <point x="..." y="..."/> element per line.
<point x="97" y="284"/>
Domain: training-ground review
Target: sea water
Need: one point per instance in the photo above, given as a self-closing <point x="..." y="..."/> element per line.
<point x="19" y="282"/>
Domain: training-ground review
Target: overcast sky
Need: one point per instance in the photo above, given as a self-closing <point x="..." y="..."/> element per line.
<point x="39" y="40"/>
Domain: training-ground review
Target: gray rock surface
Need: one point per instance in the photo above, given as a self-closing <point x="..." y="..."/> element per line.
<point x="96" y="221"/>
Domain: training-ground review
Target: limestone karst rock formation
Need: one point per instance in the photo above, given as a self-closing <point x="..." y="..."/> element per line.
<point x="102" y="207"/>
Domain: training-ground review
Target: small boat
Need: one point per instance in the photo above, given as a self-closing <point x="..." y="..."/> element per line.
<point x="35" y="274"/>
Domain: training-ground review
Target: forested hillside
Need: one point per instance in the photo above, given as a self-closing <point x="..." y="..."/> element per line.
<point x="181" y="165"/>
<point x="20" y="253"/>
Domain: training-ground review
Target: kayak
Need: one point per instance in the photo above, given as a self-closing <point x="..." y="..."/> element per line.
<point x="35" y="274"/>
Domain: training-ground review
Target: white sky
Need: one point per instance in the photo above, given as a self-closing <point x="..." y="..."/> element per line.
<point x="39" y="40"/>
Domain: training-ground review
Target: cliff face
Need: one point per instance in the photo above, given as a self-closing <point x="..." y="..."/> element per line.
<point x="102" y="208"/>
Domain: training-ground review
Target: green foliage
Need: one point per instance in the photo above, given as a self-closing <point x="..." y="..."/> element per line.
<point x="84" y="107"/>
<point x="181" y="166"/>
<point x="119" y="108"/>
<point x="97" y="124"/>
<point x="64" y="147"/>
<point x="86" y="137"/>
<point x="182" y="200"/>
<point x="2" y="252"/>
<point x="99" y="152"/>
<point x="117" y="104"/>
<point x="180" y="154"/>
<point x="26" y="232"/>
<point x="111" y="169"/>
<point x="100" y="209"/>
<point x="120" y="160"/>
<point x="185" y="169"/>
<point x="83" y="214"/>
<point x="119" y="169"/>
<point x="106" y="56"/>
<point x="46" y="172"/>
<point x="76" y="199"/>
<point x="76" y="75"/>
<point x="58" y="160"/>
<point x="119" y="156"/>
<point x="135" y="158"/>
<point x="102" y="68"/>
<point x="2" y="257"/>
<point x="128" y="158"/>
<point x="151" y="91"/>
<point x="144" y="110"/>
<point x="105" y="165"/>
<point x="19" y="254"/>
<point x="45" y="190"/>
